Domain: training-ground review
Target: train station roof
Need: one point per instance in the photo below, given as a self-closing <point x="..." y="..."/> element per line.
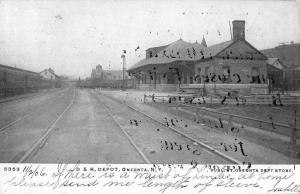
<point x="181" y="50"/>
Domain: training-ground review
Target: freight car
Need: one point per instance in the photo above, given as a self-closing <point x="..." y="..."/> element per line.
<point x="18" y="81"/>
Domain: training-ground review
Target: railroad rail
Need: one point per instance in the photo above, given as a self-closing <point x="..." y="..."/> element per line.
<point x="202" y="144"/>
<point x="3" y="128"/>
<point x="45" y="136"/>
<point x="143" y="156"/>
<point x="209" y="110"/>
<point x="289" y="134"/>
<point x="17" y="99"/>
<point x="234" y="99"/>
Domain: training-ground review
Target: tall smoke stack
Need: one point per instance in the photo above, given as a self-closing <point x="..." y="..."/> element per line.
<point x="238" y="29"/>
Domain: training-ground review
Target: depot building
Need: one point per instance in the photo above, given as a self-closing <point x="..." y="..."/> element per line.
<point x="231" y="65"/>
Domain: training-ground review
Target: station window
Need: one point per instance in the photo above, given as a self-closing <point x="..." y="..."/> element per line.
<point x="150" y="54"/>
<point x="255" y="75"/>
<point x="191" y="79"/>
<point x="255" y="71"/>
<point x="226" y="71"/>
<point x="206" y="70"/>
<point x="198" y="70"/>
<point x="226" y="74"/>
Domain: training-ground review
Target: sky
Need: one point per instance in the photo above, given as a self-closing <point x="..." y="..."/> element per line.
<point x="73" y="36"/>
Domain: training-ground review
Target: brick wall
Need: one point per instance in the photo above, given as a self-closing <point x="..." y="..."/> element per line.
<point x="241" y="67"/>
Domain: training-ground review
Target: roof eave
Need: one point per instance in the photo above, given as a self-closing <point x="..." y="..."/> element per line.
<point x="179" y="60"/>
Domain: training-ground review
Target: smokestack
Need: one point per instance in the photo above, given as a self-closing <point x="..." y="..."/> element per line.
<point x="238" y="28"/>
<point x="230" y="30"/>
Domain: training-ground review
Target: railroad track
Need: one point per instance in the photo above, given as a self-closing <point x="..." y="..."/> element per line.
<point x="41" y="141"/>
<point x="17" y="99"/>
<point x="202" y="144"/>
<point x="110" y="113"/>
<point x="22" y="97"/>
<point x="282" y="129"/>
<point x="3" y="128"/>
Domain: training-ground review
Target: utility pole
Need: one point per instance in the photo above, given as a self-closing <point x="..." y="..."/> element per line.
<point x="124" y="64"/>
<point x="215" y="89"/>
<point x="295" y="112"/>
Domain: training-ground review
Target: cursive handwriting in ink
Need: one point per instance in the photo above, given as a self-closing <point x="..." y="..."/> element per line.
<point x="166" y="145"/>
<point x="234" y="147"/>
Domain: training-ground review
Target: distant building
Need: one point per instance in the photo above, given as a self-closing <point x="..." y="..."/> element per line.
<point x="101" y="74"/>
<point x="293" y="77"/>
<point x="97" y="73"/>
<point x="289" y="55"/>
<point x="108" y="78"/>
<point x="115" y="75"/>
<point x="48" y="74"/>
<point x="277" y="63"/>
<point x="275" y="73"/>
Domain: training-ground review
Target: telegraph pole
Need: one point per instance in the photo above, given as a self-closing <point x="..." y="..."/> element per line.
<point x="124" y="64"/>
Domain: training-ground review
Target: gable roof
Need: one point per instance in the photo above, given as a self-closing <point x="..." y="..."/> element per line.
<point x="49" y="70"/>
<point x="157" y="49"/>
<point x="272" y="61"/>
<point x="218" y="48"/>
<point x="163" y="56"/>
<point x="257" y="54"/>
<point x="181" y="50"/>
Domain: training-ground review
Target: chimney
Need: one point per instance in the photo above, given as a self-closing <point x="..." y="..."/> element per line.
<point x="238" y="29"/>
